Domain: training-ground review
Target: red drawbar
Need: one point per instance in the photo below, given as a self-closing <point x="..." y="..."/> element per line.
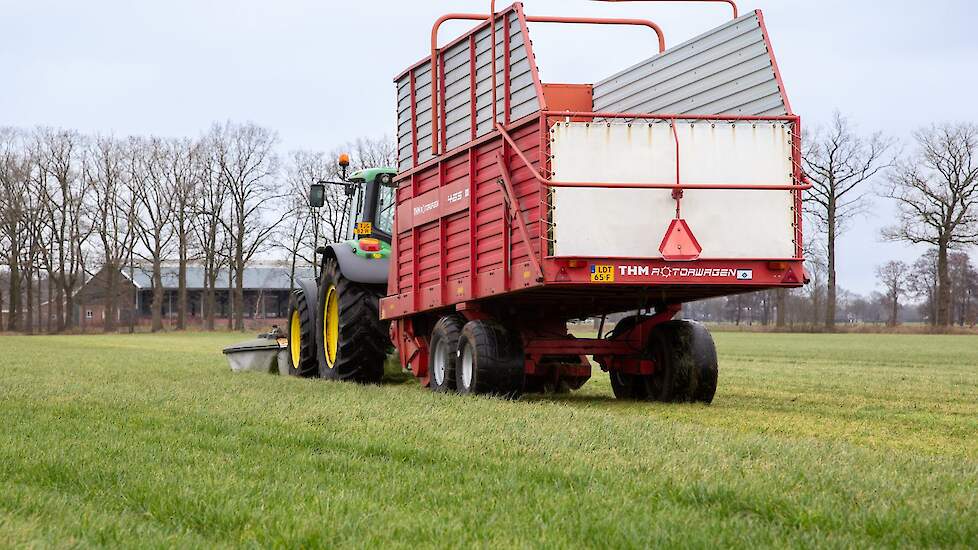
<point x="679" y="244"/>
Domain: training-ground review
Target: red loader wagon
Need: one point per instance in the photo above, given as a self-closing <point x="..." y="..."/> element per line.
<point x="523" y="205"/>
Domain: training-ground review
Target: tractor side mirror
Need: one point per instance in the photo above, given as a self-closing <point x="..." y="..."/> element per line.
<point x="317" y="195"/>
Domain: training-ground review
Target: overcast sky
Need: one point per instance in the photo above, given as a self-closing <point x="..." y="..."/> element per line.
<point x="320" y="71"/>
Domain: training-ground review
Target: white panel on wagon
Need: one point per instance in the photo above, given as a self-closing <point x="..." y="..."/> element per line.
<point x="631" y="223"/>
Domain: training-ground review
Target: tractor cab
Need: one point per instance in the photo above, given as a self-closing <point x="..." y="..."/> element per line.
<point x="369" y="208"/>
<point x="372" y="203"/>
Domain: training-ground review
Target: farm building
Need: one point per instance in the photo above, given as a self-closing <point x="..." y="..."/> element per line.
<point x="266" y="294"/>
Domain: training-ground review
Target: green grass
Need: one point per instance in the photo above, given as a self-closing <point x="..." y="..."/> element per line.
<point x="149" y="441"/>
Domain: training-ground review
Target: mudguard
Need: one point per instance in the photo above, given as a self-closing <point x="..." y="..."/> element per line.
<point x="357" y="268"/>
<point x="311" y="289"/>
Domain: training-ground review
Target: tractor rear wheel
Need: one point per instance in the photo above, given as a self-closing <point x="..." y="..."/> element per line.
<point x="490" y="361"/>
<point x="444" y="353"/>
<point x="302" y="336"/>
<point x="353" y="341"/>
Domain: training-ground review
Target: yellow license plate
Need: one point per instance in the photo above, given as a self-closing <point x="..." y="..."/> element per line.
<point x="363" y="228"/>
<point x="602" y="273"/>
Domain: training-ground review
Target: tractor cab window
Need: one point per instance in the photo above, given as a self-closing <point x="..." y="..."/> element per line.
<point x="385" y="210"/>
<point x="356" y="211"/>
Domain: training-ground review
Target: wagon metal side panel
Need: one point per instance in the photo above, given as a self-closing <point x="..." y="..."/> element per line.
<point x="453" y="239"/>
<point x="730" y="70"/>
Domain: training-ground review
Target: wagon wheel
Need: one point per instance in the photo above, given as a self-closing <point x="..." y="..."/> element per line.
<point x="686" y="363"/>
<point x="685" y="359"/>
<point x="628" y="386"/>
<point x="354" y="342"/>
<point x="442" y="360"/>
<point x="490" y="361"/>
<point x="302" y="336"/>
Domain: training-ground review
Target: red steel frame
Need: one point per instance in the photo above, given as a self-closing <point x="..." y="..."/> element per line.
<point x="413" y="307"/>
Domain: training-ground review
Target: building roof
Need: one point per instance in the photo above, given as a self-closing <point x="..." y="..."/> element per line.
<point x="255" y="278"/>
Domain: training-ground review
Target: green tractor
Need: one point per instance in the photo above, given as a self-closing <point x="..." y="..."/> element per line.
<point x="334" y="329"/>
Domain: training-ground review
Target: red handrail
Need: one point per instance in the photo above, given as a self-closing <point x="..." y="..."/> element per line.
<point x="602" y="21"/>
<point x="736" y="12"/>
<point x="435" y="141"/>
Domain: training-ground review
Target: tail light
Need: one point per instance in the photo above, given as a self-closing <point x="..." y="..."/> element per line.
<point x="370" y="245"/>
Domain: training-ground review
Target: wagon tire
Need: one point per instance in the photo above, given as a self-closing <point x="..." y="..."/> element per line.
<point x="628" y="387"/>
<point x="302" y="336"/>
<point x="706" y="368"/>
<point x="444" y="353"/>
<point x="686" y="363"/>
<point x="490" y="361"/>
<point x="353" y="342"/>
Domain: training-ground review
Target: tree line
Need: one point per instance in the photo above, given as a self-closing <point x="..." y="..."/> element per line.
<point x="71" y="204"/>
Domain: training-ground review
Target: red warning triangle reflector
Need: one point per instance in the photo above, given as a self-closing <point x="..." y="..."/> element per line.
<point x="679" y="244"/>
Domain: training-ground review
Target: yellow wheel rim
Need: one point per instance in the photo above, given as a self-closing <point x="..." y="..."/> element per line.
<point x="331" y="325"/>
<point x="295" y="339"/>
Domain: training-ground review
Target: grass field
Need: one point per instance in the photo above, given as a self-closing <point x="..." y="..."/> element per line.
<point x="149" y="441"/>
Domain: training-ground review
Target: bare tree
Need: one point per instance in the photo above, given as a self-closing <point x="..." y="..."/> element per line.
<point x="247" y="162"/>
<point x="922" y="285"/>
<point x="892" y="276"/>
<point x="964" y="281"/>
<point x="34" y="224"/>
<point x="175" y="165"/>
<point x="937" y="194"/>
<point x="210" y="210"/>
<point x="838" y="162"/>
<point x="155" y="199"/>
<point x="373" y="153"/>
<point x="14" y="173"/>
<point x="60" y="152"/>
<point x="302" y="230"/>
<point x="114" y="216"/>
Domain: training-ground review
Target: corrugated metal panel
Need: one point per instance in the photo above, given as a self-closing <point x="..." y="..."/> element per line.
<point x="523" y="93"/>
<point x="404" y="123"/>
<point x="458" y="93"/>
<point x="728" y="70"/>
<point x="422" y="83"/>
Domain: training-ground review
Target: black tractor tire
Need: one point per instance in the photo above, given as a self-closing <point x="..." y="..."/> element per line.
<point x="443" y="354"/>
<point x="490" y="361"/>
<point x="362" y="341"/>
<point x="302" y="331"/>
